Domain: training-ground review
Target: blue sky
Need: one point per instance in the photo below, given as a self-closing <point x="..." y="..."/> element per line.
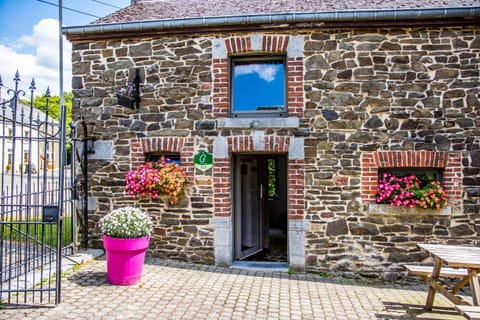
<point x="29" y="38"/>
<point x="258" y="84"/>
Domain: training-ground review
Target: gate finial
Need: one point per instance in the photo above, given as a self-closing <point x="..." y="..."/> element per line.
<point x="32" y="85"/>
<point x="16" y="78"/>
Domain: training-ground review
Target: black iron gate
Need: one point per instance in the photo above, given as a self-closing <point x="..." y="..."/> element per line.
<point x="36" y="223"/>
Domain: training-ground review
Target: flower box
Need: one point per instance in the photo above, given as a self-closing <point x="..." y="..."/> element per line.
<point x="410" y="191"/>
<point x="153" y="179"/>
<point x="387" y="210"/>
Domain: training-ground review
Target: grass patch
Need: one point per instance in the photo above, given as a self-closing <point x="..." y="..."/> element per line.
<point x="21" y="231"/>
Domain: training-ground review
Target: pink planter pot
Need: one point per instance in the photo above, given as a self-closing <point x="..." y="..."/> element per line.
<point x="125" y="258"/>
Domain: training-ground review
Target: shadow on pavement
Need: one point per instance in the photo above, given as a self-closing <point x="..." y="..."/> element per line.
<point x="89" y="279"/>
<point x="415" y="311"/>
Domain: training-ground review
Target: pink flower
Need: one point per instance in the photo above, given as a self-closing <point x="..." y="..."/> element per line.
<point x="409" y="191"/>
<point x="151" y="179"/>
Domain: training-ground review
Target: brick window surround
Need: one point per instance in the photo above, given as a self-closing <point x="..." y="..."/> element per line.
<point x="449" y="162"/>
<point x="222" y="174"/>
<point x="258" y="44"/>
<point x="181" y="145"/>
<point x="242" y="45"/>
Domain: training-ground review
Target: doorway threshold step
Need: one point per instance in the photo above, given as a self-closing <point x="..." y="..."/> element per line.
<point x="260" y="266"/>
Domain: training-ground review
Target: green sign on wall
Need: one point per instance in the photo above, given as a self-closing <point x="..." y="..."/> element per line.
<point x="203" y="160"/>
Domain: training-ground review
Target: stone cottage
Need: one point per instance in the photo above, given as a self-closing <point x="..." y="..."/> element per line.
<point x="303" y="105"/>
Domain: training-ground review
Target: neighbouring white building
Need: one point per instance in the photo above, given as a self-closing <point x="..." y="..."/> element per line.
<point x="25" y="132"/>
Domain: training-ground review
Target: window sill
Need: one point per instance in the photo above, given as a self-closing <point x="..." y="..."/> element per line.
<point x="386" y="210"/>
<point x="257" y="123"/>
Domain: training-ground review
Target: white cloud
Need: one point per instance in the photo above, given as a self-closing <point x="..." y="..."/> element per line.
<point x="37" y="56"/>
<point x="266" y="72"/>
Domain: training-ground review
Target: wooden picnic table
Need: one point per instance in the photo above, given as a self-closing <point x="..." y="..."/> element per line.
<point x="453" y="256"/>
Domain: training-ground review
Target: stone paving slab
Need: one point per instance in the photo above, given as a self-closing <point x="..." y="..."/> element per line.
<point x="28" y="280"/>
<point x="175" y="290"/>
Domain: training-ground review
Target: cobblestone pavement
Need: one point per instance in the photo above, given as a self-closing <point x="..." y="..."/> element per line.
<point x="174" y="290"/>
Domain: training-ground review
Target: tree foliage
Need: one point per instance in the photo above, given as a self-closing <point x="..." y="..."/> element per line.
<point x="40" y="102"/>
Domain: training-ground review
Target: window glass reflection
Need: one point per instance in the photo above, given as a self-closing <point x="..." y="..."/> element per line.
<point x="258" y="85"/>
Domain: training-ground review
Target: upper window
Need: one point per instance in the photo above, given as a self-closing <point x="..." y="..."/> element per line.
<point x="258" y="87"/>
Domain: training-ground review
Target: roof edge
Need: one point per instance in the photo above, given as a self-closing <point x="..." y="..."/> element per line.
<point x="390" y="15"/>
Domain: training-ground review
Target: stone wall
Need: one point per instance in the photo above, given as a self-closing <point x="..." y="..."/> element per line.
<point x="387" y="90"/>
<point x="175" y="116"/>
<point x="363" y="91"/>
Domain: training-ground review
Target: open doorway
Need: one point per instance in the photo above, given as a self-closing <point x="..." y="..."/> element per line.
<point x="260" y="207"/>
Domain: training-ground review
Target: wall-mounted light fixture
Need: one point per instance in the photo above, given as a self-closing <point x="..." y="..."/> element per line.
<point x="130" y="98"/>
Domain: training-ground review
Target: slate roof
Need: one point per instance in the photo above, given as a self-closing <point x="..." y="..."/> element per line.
<point x="144" y="10"/>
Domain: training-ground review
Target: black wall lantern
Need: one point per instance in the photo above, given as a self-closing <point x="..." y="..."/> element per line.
<point x="131" y="97"/>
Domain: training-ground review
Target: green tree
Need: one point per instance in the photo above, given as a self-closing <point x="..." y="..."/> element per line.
<point x="40" y="103"/>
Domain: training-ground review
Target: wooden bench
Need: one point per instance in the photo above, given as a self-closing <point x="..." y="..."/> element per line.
<point x="470" y="312"/>
<point x="426" y="271"/>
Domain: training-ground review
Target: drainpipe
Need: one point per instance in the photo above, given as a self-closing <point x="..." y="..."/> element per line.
<point x="387" y="16"/>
